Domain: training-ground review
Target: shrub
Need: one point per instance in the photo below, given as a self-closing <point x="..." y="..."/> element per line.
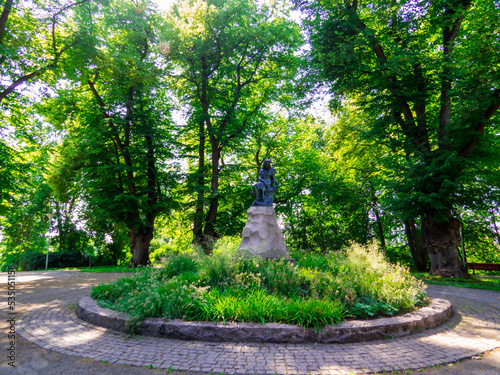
<point x="106" y="292"/>
<point x="33" y="260"/>
<point x="217" y="270"/>
<point x="281" y="277"/>
<point x="320" y="290"/>
<point x="178" y="264"/>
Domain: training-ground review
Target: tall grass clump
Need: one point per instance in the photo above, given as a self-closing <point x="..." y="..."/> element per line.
<point x="229" y="286"/>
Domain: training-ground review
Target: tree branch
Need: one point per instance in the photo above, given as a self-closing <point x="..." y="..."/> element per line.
<point x="128" y="115"/>
<point x="121" y="146"/>
<point x="5" y="15"/>
<point x="450" y="33"/>
<point x="57" y="54"/>
<point x="16" y="83"/>
<point x="408" y="125"/>
<point x="488" y="113"/>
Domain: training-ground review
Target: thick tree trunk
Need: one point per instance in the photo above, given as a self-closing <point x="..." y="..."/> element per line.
<point x="210" y="235"/>
<point x="442" y="240"/>
<point x="417" y="253"/>
<point x="140" y="241"/>
<point x="200" y="188"/>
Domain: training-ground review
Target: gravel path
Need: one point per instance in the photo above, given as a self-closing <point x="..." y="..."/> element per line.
<point x="67" y="345"/>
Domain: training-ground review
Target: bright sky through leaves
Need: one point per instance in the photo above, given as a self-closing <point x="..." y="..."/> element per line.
<point x="164" y="4"/>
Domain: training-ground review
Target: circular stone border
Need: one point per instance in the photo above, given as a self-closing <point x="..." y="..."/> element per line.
<point x="436" y="313"/>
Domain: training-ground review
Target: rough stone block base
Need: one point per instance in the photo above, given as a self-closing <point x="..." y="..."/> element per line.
<point x="262" y="235"/>
<point x="427" y="317"/>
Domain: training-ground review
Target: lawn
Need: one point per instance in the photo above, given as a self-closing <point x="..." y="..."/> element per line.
<point x="102" y="269"/>
<point x="488" y="282"/>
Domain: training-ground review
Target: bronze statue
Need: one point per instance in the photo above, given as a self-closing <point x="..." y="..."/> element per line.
<point x="264" y="189"/>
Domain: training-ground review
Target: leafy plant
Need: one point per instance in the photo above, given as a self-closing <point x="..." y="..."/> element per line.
<point x="176" y="265"/>
<point x="230" y="287"/>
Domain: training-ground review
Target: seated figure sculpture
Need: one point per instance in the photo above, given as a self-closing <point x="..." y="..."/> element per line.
<point x="263" y="190"/>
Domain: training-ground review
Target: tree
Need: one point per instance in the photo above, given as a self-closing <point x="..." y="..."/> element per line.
<point x="361" y="160"/>
<point x="34" y="36"/>
<point x="25" y="194"/>
<point x="319" y="207"/>
<point x="116" y="117"/>
<point x="357" y="159"/>
<point x="236" y="57"/>
<point x="431" y="86"/>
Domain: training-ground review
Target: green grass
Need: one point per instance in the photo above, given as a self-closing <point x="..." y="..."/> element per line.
<point x="227" y="286"/>
<point x="102" y="269"/>
<point x="57" y="269"/>
<point x="93" y="269"/>
<point x="474" y="282"/>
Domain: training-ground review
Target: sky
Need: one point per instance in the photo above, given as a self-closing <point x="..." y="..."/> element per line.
<point x="164" y="4"/>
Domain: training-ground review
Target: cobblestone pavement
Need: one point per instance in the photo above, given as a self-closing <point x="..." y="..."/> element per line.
<point x="52" y="324"/>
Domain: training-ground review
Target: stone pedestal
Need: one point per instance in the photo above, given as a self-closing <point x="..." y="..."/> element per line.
<point x="262" y="235"/>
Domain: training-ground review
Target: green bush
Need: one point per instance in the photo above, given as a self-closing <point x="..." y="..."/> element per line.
<point x="217" y="270"/>
<point x="106" y="292"/>
<point x="33" y="260"/>
<point x="227" y="286"/>
<point x="281" y="277"/>
<point x="178" y="264"/>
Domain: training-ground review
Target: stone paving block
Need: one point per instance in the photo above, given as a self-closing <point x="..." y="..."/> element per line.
<point x="471" y="332"/>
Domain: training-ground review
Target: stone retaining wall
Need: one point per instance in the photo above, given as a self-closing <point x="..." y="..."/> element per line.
<point x="437" y="312"/>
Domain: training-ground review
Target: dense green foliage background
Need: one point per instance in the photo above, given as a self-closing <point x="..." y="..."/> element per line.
<point x="125" y="128"/>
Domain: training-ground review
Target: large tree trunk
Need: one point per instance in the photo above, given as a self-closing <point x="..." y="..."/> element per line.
<point x="417" y="253"/>
<point x="210" y="234"/>
<point x="441" y="240"/>
<point x="200" y="188"/>
<point x="140" y="241"/>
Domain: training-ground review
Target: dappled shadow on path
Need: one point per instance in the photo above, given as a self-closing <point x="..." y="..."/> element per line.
<point x="51" y="322"/>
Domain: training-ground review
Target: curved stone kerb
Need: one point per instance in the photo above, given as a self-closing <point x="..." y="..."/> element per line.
<point x="437" y="312"/>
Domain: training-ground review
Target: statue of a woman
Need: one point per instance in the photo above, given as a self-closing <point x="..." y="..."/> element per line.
<point x="264" y="189"/>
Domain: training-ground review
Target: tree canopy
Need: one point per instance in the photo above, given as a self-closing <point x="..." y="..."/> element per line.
<point x="124" y="126"/>
<point x="430" y="86"/>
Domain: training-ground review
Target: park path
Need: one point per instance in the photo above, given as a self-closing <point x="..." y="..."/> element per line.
<point x="67" y="345"/>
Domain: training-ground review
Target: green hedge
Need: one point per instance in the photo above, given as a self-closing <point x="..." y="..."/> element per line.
<point x="31" y="261"/>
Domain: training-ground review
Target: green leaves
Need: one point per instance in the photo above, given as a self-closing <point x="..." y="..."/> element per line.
<point x="319" y="290"/>
<point x="419" y="98"/>
<point x="235" y="60"/>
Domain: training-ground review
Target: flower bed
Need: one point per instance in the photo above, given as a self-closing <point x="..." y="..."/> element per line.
<point x="319" y="290"/>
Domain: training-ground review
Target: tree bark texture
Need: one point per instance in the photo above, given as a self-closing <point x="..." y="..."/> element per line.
<point x="210" y="234"/>
<point x="442" y="240"/>
<point x="139" y="246"/>
<point x="5" y="15"/>
<point x="417" y="253"/>
<point x="200" y="187"/>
